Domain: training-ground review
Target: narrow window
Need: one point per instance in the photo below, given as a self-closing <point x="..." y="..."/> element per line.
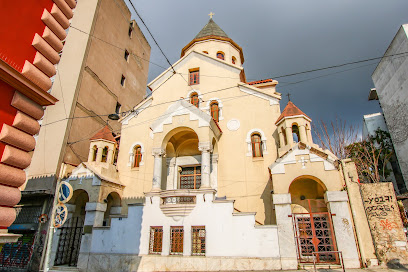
<point x="220" y="55"/>
<point x="176" y="240"/>
<point x="234" y="60"/>
<point x="115" y="157"/>
<point x="130" y="30"/>
<point x="194" y="76"/>
<point x="104" y="154"/>
<point x="94" y="152"/>
<point x="194" y="99"/>
<point x="295" y="133"/>
<point x="215" y="111"/>
<point x="156" y="240"/>
<point x="205" y="52"/>
<point x="122" y="81"/>
<point x="117" y="108"/>
<point x="126" y="55"/>
<point x="256" y="145"/>
<point x="284" y="137"/>
<point x="190" y="177"/>
<point x="138" y="155"/>
<point x="198" y="241"/>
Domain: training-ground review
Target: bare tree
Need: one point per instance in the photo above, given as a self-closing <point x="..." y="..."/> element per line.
<point x="371" y="156"/>
<point x="336" y="136"/>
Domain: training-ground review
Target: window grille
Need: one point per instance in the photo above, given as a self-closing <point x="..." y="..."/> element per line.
<point x="194" y="77"/>
<point x="138" y="156"/>
<point x="156" y="240"/>
<point x="190" y="177"/>
<point x="198" y="240"/>
<point x="176" y="240"/>
<point x="28" y="214"/>
<point x="256" y="145"/>
<point x="215" y="111"/>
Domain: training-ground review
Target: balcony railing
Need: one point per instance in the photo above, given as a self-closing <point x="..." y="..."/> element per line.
<point x="171" y="200"/>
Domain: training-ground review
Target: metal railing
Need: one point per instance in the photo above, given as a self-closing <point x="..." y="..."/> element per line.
<point x="171" y="200"/>
<point x="314" y="254"/>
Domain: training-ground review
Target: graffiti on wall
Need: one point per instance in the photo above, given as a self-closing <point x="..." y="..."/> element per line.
<point x="379" y="206"/>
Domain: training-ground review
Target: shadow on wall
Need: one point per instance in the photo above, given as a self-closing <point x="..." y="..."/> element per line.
<point x="270" y="217"/>
<point x="395" y="264"/>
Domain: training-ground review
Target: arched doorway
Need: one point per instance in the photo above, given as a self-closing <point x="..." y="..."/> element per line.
<point x="112" y="201"/>
<point x="183" y="160"/>
<point x="312" y="221"/>
<point x="70" y="237"/>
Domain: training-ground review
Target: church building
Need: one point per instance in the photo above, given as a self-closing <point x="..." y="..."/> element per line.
<point x="211" y="175"/>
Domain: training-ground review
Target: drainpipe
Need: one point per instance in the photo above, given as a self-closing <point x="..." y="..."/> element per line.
<point x="356" y="228"/>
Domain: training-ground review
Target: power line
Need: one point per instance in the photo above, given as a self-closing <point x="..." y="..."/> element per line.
<point x="138" y="15"/>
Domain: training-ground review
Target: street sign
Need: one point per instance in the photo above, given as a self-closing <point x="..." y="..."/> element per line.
<point x="61" y="215"/>
<point x="65" y="192"/>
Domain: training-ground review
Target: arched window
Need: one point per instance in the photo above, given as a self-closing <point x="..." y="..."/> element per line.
<point x="234" y="60"/>
<point x="220" y="55"/>
<point x="295" y="133"/>
<point x="137" y="155"/>
<point x="94" y="152"/>
<point x="256" y="145"/>
<point x="104" y="154"/>
<point x="285" y="140"/>
<point x="215" y="111"/>
<point x="194" y="99"/>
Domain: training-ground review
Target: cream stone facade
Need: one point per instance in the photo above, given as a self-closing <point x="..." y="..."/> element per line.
<point x="211" y="176"/>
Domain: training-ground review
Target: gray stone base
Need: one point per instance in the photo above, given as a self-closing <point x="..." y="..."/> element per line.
<point x="124" y="262"/>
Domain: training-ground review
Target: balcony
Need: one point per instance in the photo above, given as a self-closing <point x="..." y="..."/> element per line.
<point x="180" y="203"/>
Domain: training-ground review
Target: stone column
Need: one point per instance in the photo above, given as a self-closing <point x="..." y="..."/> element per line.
<point x="170" y="162"/>
<point x="302" y="134"/>
<point x="109" y="159"/>
<point x="90" y="154"/>
<point x="343" y="227"/>
<point x="206" y="150"/>
<point x="289" y="136"/>
<point x="309" y="135"/>
<point x="93" y="218"/>
<point x="281" y="139"/>
<point x="286" y="236"/>
<point x="99" y="154"/>
<point x="157" y="169"/>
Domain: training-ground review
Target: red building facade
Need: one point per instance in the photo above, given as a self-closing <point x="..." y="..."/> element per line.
<point x="32" y="35"/>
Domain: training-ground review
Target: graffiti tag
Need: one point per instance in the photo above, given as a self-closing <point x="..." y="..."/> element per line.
<point x="388" y="225"/>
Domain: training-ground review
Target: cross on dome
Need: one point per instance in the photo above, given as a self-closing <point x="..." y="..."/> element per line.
<point x="211" y="14"/>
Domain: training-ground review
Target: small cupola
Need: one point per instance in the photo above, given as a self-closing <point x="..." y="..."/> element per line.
<point x="103" y="147"/>
<point x="293" y="126"/>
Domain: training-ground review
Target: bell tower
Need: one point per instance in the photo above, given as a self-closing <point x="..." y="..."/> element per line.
<point x="102" y="148"/>
<point x="293" y="126"/>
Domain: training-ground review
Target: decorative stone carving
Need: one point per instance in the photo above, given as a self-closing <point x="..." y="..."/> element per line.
<point x="233" y="124"/>
<point x="205" y="146"/>
<point x="157" y="151"/>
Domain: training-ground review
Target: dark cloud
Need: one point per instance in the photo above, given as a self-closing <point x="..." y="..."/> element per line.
<point x="284" y="37"/>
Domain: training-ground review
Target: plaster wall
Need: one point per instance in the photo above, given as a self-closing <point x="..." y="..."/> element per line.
<point x="240" y="176"/>
<point x="391" y="83"/>
<point x="214" y="46"/>
<point x="226" y="231"/>
<point x="88" y="82"/>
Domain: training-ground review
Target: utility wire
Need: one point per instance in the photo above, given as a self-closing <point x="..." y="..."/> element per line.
<point x="138" y="15"/>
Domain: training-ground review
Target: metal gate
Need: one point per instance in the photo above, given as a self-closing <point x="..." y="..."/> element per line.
<point x="17" y="255"/>
<point x="315" y="237"/>
<point x="69" y="242"/>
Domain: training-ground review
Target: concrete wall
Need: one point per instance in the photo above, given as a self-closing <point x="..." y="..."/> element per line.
<point x="391" y="83"/>
<point x="385" y="221"/>
<point x="226" y="233"/>
<point x="88" y="83"/>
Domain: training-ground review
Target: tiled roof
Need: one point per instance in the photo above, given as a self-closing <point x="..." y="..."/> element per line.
<point x="211" y="29"/>
<point x="104" y="134"/>
<point x="290" y="110"/>
<point x="260" y="81"/>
